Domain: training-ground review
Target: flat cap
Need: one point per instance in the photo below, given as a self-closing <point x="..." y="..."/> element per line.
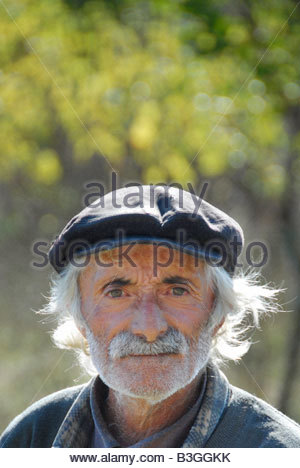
<point x="150" y="214"/>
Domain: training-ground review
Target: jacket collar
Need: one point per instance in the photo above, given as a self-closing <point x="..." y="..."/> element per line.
<point x="77" y="428"/>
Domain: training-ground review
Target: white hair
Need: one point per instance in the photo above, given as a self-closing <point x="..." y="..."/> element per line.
<point x="240" y="301"/>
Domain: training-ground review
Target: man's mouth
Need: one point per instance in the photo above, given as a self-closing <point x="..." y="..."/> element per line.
<point x="126" y="344"/>
<point x="151" y="355"/>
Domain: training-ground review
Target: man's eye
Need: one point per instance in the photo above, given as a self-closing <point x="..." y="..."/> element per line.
<point x="177" y="291"/>
<point x="115" y="293"/>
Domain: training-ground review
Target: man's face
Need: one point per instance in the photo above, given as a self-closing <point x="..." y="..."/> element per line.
<point x="146" y="326"/>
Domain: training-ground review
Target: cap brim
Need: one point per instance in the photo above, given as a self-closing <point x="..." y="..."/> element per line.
<point x="110" y="244"/>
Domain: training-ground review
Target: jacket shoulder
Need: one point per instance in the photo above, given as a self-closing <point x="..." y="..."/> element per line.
<point x="38" y="424"/>
<point x="250" y="422"/>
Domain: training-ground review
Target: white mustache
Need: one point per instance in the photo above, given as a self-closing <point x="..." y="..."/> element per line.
<point x="126" y="343"/>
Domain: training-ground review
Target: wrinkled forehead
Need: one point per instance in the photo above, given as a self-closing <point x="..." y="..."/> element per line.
<point x="156" y="260"/>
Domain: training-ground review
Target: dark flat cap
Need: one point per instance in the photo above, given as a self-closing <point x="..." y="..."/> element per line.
<point x="151" y="214"/>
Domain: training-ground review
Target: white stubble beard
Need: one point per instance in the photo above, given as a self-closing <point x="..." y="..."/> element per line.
<point x="179" y="374"/>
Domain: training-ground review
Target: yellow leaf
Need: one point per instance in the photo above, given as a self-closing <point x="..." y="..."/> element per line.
<point x="47" y="169"/>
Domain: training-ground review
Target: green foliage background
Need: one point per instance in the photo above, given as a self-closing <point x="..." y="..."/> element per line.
<point x="158" y="91"/>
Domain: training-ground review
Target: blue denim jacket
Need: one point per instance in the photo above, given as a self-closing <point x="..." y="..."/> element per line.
<point x="229" y="417"/>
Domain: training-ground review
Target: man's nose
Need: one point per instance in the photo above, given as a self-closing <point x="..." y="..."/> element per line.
<point x="148" y="320"/>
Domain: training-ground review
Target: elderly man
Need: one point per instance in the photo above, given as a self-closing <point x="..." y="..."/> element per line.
<point x="147" y="293"/>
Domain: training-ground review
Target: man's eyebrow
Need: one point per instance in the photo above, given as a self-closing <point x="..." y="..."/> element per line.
<point x="121" y="281"/>
<point x="174" y="279"/>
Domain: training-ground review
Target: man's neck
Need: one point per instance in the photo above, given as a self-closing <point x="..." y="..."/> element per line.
<point x="133" y="419"/>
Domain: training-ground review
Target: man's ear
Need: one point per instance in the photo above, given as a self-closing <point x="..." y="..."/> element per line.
<point x="82" y="330"/>
<point x="217" y="327"/>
